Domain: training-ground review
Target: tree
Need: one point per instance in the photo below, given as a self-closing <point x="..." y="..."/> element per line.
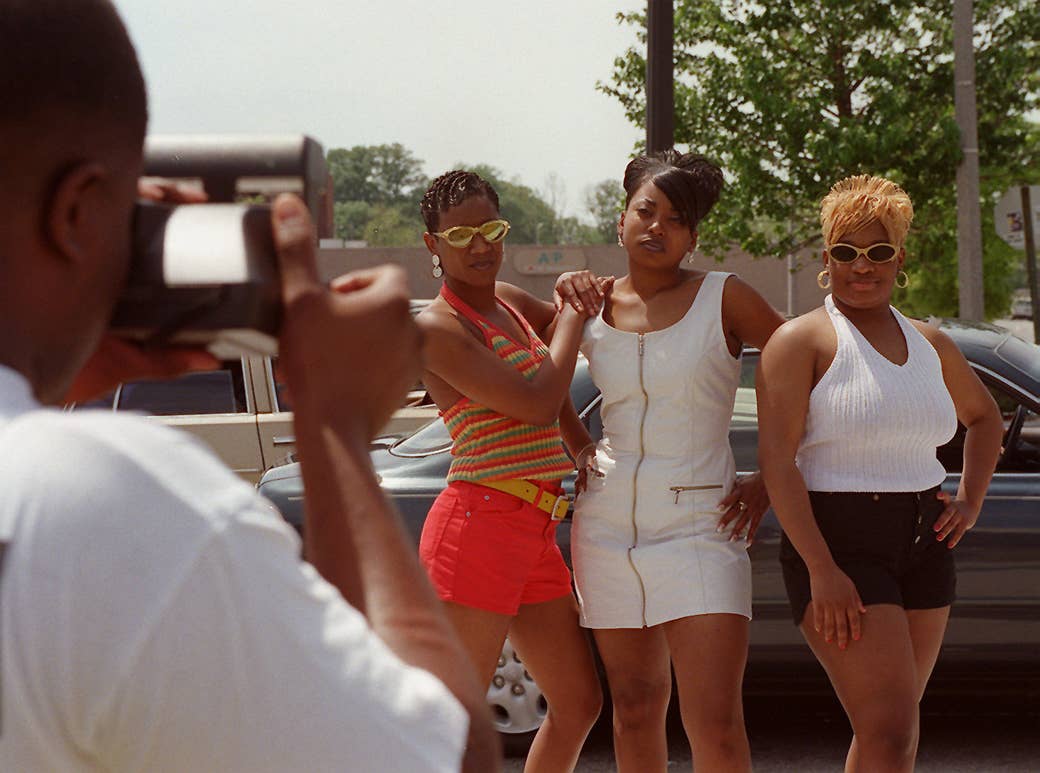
<point x="531" y="219"/>
<point x="350" y="218"/>
<point x="790" y="96"/>
<point x="389" y="226"/>
<point x="605" y="200"/>
<point x="377" y="174"/>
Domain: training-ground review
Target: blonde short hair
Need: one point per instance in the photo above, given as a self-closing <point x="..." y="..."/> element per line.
<point x="857" y="202"/>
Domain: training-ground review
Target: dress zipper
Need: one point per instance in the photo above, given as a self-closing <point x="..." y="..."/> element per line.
<point x="635" y="479"/>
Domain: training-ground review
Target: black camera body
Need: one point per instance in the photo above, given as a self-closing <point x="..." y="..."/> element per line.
<point x="206" y="275"/>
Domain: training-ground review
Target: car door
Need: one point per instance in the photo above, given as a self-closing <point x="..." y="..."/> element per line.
<point x="217" y="407"/>
<point x="996" y="618"/>
<point x="274" y="418"/>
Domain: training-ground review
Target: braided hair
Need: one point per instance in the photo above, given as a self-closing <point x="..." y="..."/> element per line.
<point x="449" y="190"/>
<point x="691" y="182"/>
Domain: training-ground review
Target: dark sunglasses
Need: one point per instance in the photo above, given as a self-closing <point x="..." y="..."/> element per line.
<point x="881" y="252"/>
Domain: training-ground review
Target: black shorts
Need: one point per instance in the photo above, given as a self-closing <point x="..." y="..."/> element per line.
<point x="885" y="543"/>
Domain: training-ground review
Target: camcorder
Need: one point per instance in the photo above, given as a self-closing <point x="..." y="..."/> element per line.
<point x="206" y="275"/>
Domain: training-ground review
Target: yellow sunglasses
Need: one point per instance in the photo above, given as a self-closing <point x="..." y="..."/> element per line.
<point x="461" y="235"/>
<point x="879" y="252"/>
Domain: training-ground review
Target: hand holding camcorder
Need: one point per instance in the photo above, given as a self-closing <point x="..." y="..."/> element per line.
<point x="206" y="275"/>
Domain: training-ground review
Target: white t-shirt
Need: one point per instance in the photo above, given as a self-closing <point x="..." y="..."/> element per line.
<point x="155" y="616"/>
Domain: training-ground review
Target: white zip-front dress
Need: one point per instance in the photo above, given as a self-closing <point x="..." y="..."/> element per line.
<point x="644" y="544"/>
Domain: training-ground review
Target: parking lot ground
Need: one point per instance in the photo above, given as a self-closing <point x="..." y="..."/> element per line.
<point x="967" y="735"/>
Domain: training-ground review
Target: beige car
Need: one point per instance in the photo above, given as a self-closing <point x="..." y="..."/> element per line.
<point x="241" y="411"/>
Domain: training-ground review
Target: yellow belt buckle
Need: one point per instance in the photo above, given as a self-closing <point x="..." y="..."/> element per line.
<point x="558" y="513"/>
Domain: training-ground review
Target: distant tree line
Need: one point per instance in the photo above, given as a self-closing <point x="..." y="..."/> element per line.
<point x="377" y="189"/>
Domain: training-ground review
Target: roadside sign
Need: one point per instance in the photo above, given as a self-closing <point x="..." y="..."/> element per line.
<point x="1009" y="217"/>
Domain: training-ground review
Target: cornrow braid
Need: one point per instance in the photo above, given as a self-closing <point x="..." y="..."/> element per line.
<point x="449" y="190"/>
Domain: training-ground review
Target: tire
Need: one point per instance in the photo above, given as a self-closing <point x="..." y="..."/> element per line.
<point x="517" y="704"/>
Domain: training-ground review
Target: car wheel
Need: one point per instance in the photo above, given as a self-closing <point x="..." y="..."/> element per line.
<point x="517" y="704"/>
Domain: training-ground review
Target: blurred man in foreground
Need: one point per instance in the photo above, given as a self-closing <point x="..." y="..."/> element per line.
<point x="153" y="612"/>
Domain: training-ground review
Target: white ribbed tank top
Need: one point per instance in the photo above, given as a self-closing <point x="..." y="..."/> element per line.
<point x="874" y="425"/>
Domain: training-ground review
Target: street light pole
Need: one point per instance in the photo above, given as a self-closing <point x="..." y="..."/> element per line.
<point x="969" y="222"/>
<point x="660" y="91"/>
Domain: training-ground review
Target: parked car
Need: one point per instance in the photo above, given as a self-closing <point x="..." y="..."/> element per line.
<point x="993" y="640"/>
<point x="1021" y="308"/>
<point x="241" y="411"/>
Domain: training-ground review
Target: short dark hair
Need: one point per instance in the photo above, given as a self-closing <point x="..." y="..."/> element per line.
<point x="70" y="61"/>
<point x="691" y="182"/>
<point x="450" y="189"/>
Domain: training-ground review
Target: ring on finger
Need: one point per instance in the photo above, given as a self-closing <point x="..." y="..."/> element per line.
<point x="742" y="506"/>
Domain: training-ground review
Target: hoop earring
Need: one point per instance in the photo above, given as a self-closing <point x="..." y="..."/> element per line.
<point x="437" y="271"/>
<point x="906" y="280"/>
<point x="823" y="279"/>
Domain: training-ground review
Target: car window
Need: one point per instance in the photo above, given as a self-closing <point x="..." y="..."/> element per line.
<point x="1023" y="455"/>
<point x="281" y="392"/>
<point x="213" y="392"/>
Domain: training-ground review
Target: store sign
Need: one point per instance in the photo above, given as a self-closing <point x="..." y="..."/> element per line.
<point x="1009" y="217"/>
<point x="547" y="260"/>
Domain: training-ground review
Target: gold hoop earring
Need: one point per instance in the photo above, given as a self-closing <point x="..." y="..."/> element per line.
<point x="823" y="279"/>
<point x="906" y="280"/>
<point x="437" y="271"/>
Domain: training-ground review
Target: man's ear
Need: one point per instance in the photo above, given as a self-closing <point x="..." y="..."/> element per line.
<point x="72" y="212"/>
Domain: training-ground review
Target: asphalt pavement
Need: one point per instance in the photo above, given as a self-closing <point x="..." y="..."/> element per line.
<point x="965" y="735"/>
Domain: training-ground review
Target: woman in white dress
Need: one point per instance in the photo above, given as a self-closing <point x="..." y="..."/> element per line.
<point x="659" y="542"/>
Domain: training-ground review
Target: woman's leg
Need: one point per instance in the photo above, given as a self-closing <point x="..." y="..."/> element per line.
<point x="709" y="653"/>
<point x="640" y="678"/>
<point x="482" y="634"/>
<point x="876" y="680"/>
<point x="927" y="627"/>
<point x="556" y="652"/>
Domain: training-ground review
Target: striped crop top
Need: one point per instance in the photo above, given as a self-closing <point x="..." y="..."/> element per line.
<point x="487" y="445"/>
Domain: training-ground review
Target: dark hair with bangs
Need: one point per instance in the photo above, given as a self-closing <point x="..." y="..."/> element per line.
<point x="691" y="182"/>
<point x="450" y="189"/>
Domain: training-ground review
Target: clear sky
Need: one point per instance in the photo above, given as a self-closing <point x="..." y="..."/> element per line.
<point x="507" y="83"/>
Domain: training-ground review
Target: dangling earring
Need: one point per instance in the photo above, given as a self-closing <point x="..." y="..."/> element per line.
<point x="905" y="277"/>
<point x="437" y="271"/>
<point x="823" y="279"/>
<point x="619" y="242"/>
<point x="688" y="257"/>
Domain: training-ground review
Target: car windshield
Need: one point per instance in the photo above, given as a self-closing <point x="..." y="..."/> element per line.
<point x="1020" y="355"/>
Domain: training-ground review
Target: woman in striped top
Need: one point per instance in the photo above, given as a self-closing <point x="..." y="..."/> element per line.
<point x="489" y="540"/>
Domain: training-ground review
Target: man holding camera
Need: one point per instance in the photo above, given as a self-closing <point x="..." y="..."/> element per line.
<point x="153" y="612"/>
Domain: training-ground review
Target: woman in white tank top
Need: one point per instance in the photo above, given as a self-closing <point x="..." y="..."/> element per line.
<point x="660" y="533"/>
<point x="853" y="401"/>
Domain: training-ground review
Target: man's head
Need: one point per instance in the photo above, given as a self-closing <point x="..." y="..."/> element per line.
<point x="73" y="112"/>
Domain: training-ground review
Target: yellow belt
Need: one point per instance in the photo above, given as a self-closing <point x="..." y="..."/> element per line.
<point x="555" y="505"/>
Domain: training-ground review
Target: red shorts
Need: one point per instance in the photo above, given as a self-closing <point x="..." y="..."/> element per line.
<point x="491" y="550"/>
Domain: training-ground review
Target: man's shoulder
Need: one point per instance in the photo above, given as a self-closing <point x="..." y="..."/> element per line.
<point x="110" y="455"/>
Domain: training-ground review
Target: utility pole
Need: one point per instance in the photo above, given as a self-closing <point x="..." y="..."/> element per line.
<point x="660" y="91"/>
<point x="969" y="222"/>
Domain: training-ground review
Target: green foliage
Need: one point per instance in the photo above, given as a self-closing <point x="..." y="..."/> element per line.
<point x="377" y="189"/>
<point x="390" y="226"/>
<point x="350" y="218"/>
<point x="376" y="174"/>
<point x="793" y="95"/>
<point x="531" y="219"/>
<point x="605" y="200"/>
